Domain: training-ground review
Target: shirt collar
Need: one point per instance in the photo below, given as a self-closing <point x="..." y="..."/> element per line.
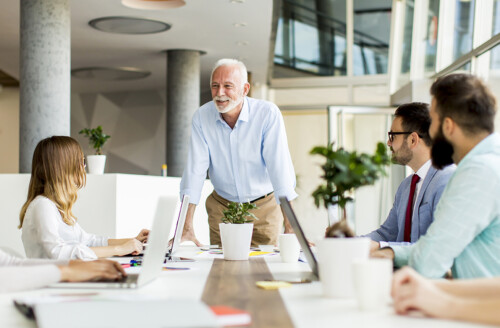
<point x="244" y="114"/>
<point x="422" y="171"/>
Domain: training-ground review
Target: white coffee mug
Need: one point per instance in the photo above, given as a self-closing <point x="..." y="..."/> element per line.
<point x="289" y="248"/>
<point x="372" y="283"/>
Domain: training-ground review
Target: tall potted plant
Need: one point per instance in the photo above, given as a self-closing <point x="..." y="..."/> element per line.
<point x="97" y="139"/>
<point x="343" y="173"/>
<point x="236" y="230"/>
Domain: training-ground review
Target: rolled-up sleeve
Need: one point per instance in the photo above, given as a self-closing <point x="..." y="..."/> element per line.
<point x="198" y="162"/>
<point x="277" y="157"/>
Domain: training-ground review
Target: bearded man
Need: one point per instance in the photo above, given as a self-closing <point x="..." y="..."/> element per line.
<point x="418" y="194"/>
<point x="465" y="234"/>
<point x="242" y="143"/>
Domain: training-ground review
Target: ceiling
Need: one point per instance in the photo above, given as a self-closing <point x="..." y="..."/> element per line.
<point x="206" y="25"/>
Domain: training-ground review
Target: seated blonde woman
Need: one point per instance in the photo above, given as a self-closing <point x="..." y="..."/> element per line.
<point x="475" y="300"/>
<point x="49" y="228"/>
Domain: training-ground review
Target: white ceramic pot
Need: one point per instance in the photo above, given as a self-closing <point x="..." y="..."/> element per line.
<point x="236" y="239"/>
<point x="335" y="256"/>
<point x="96" y="163"/>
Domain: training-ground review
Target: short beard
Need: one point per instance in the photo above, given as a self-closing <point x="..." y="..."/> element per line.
<point x="441" y="150"/>
<point x="232" y="104"/>
<point x="403" y="156"/>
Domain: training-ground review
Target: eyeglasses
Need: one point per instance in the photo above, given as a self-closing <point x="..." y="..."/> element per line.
<point x="392" y="134"/>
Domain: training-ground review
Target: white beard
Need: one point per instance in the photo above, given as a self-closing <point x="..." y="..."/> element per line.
<point x="232" y="104"/>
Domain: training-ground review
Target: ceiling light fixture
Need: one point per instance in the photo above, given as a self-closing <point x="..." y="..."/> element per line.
<point x="239" y="25"/>
<point x="128" y="25"/>
<point x="237" y="1"/>
<point x="109" y="73"/>
<point x="153" y="4"/>
<point x="242" y="43"/>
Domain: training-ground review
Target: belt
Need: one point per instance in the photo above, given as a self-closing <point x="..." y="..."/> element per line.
<point x="261" y="197"/>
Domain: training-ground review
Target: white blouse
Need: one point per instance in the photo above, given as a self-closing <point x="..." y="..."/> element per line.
<point x="45" y="235"/>
<point x="23" y="274"/>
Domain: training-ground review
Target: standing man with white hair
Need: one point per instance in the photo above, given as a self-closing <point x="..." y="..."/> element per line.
<point x="242" y="143"/>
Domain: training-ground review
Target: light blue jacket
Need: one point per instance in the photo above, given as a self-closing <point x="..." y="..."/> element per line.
<point x="393" y="229"/>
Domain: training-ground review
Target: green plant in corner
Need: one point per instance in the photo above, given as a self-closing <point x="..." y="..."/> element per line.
<point x="238" y="213"/>
<point x="97" y="138"/>
<point x="343" y="173"/>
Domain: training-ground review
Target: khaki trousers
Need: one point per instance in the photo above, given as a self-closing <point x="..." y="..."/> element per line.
<point x="265" y="230"/>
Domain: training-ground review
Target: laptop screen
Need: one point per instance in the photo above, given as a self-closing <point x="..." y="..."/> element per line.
<point x="179" y="226"/>
<point x="290" y="214"/>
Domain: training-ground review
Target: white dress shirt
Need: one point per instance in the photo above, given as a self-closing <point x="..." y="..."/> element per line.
<point x="46" y="235"/>
<point x="244" y="163"/>
<point x="23" y="274"/>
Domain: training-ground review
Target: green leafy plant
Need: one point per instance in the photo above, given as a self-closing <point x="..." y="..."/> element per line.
<point x="343" y="173"/>
<point x="238" y="213"/>
<point x="97" y="138"/>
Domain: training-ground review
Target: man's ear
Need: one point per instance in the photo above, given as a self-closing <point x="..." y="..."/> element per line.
<point x="412" y="140"/>
<point x="448" y="126"/>
<point x="246" y="88"/>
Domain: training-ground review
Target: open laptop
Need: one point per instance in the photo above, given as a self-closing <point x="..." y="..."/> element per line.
<point x="154" y="255"/>
<point x="181" y="219"/>
<point x="311" y="259"/>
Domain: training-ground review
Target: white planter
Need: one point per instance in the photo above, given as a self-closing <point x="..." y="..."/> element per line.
<point x="236" y="239"/>
<point x="335" y="257"/>
<point x="96" y="163"/>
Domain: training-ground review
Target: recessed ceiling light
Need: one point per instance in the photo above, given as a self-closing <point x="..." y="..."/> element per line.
<point x="153" y="4"/>
<point x="237" y="1"/>
<point x="240" y="24"/>
<point x="109" y="73"/>
<point x="242" y="43"/>
<point x="128" y="25"/>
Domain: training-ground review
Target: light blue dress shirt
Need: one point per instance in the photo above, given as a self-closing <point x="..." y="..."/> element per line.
<point x="465" y="234"/>
<point x="244" y="163"/>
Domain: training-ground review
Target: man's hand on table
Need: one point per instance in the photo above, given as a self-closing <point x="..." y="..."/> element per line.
<point x="384" y="253"/>
<point x="188" y="234"/>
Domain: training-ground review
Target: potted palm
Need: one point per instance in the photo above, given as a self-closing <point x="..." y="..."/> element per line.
<point x="97" y="139"/>
<point x="343" y="173"/>
<point x="236" y="230"/>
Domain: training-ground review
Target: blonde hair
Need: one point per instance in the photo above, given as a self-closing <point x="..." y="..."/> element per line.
<point x="57" y="172"/>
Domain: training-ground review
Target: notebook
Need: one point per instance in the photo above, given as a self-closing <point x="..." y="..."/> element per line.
<point x="309" y="255"/>
<point x="154" y="255"/>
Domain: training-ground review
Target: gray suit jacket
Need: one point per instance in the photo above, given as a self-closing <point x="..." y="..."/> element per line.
<point x="393" y="228"/>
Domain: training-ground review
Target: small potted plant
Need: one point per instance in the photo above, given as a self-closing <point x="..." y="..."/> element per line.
<point x="97" y="139"/>
<point x="343" y="173"/>
<point x="236" y="230"/>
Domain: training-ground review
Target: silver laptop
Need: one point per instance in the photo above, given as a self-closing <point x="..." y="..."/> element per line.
<point x="309" y="255"/>
<point x="178" y="233"/>
<point x="154" y="255"/>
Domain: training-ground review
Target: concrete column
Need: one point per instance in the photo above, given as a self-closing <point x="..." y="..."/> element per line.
<point x="44" y="74"/>
<point x="183" y="99"/>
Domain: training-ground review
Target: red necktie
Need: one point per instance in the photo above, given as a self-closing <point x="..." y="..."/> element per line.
<point x="409" y="208"/>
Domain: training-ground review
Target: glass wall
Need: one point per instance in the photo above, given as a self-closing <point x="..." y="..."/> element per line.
<point x="311" y="38"/>
<point x="372" y="29"/>
<point x="464" y="28"/>
<point x="431" y="35"/>
<point x="495" y="52"/>
<point x="407" y="37"/>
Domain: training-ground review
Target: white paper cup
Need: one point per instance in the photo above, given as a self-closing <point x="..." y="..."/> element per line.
<point x="372" y="283"/>
<point x="289" y="248"/>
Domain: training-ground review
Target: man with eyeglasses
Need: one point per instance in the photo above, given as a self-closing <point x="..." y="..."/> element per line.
<point x="418" y="194"/>
<point x="465" y="234"/>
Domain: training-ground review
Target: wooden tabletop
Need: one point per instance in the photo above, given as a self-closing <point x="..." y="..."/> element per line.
<point x="232" y="283"/>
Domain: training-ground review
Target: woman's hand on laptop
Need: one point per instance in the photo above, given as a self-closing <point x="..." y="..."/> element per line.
<point x="131" y="246"/>
<point x="77" y="270"/>
<point x="143" y="236"/>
